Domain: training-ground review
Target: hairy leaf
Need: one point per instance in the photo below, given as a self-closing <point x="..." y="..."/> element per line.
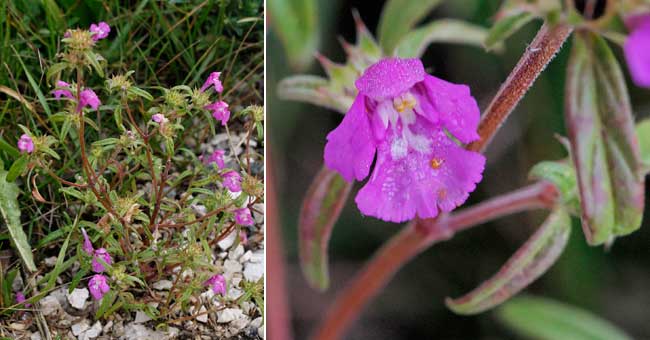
<point x="11" y="215"/>
<point x="413" y="44"/>
<point x="320" y="210"/>
<point x="544" y="319"/>
<point x="603" y="142"/>
<point x="524" y="267"/>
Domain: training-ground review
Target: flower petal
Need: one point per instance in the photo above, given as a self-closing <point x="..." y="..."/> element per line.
<point x="637" y="54"/>
<point x="399" y="189"/>
<point x="390" y="77"/>
<point x="350" y="147"/>
<point x="456" y="108"/>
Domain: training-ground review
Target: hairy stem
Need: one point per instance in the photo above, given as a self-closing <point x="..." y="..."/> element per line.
<point x="539" y="53"/>
<point x="413" y="239"/>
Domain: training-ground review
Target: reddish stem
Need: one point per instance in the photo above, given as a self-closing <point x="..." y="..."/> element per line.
<point x="539" y="53"/>
<point x="416" y="237"/>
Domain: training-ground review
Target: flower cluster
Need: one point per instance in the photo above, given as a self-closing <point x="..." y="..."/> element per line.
<point x="637" y="48"/>
<point x="86" y="98"/>
<point x="98" y="284"/>
<point x="413" y="122"/>
<point x="219" y="108"/>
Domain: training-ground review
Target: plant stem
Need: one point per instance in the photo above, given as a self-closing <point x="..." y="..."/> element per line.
<point x="539" y="53"/>
<point x="416" y="237"/>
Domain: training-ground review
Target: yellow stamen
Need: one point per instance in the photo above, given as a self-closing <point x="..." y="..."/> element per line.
<point x="436" y="163"/>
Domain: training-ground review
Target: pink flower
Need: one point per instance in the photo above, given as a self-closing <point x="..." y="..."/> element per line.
<point x="159" y="118"/>
<point x="213" y="80"/>
<point x="25" y="144"/>
<point x="217" y="158"/>
<point x="243" y="217"/>
<point x="63" y="90"/>
<point x="101" y="30"/>
<point x="220" y="111"/>
<point x="20" y="298"/>
<point x="102" y="254"/>
<point x="403" y="115"/>
<point x="87" y="246"/>
<point x="98" y="286"/>
<point x="218" y="284"/>
<point x="637" y="49"/>
<point x="232" y="181"/>
<point x="88" y="98"/>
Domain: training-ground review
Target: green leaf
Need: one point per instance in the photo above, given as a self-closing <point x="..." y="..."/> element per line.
<point x="603" y="142"/>
<point x="320" y="210"/>
<point x="505" y="27"/>
<point x="11" y="215"/>
<point x="643" y="131"/>
<point x="296" y="23"/>
<point x="9" y="149"/>
<point x="525" y="266"/>
<point x="413" y="44"/>
<point x="544" y="319"/>
<point x="313" y="90"/>
<point x="17" y="168"/>
<point x="140" y="93"/>
<point x="563" y="176"/>
<point x="53" y="14"/>
<point x="398" y="18"/>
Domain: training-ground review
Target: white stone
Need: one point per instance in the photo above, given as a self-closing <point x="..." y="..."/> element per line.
<point x="203" y="315"/>
<point x="49" y="305"/>
<point x="253" y="271"/>
<point x="108" y="326"/>
<point x="259" y="217"/>
<point x="173" y="332"/>
<point x="50" y="261"/>
<point x="246" y="257"/>
<point x="238" y="324"/>
<point x="80" y="327"/>
<point x="261" y="332"/>
<point x="94" y="331"/>
<point x="247" y="307"/>
<point x="134" y="331"/>
<point x="35" y="336"/>
<point x="257" y="323"/>
<point x="231" y="267"/>
<point x="227" y="242"/>
<point x="78" y="297"/>
<point x="18" y="326"/>
<point x="229" y="314"/>
<point x="236" y="253"/>
<point x="141" y="317"/>
<point x="234" y="293"/>
<point x="163" y="285"/>
<point x="258" y="256"/>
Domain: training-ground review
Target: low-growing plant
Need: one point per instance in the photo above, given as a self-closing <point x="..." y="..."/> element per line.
<point x="143" y="199"/>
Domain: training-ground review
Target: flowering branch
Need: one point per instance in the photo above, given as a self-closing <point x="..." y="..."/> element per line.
<point x="416" y="237"/>
<point x="539" y="53"/>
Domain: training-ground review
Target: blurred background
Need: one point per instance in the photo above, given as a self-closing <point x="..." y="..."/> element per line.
<point x="612" y="284"/>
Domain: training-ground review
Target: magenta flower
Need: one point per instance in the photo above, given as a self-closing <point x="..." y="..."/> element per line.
<point x="243" y="217"/>
<point x="88" y="98"/>
<point x="637" y="49"/>
<point x="159" y="118"/>
<point x="102" y="254"/>
<point x="87" y="246"/>
<point x="20" y="298"/>
<point x="100" y="30"/>
<point x="217" y="283"/>
<point x="403" y="115"/>
<point x="213" y="80"/>
<point x="220" y="111"/>
<point x="63" y="89"/>
<point x="217" y="158"/>
<point x="25" y="144"/>
<point x="98" y="286"/>
<point x="232" y="181"/>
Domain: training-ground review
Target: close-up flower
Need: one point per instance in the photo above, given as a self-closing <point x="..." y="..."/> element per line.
<point x="213" y="81"/>
<point x="63" y="90"/>
<point x="243" y="217"/>
<point x="232" y="181"/>
<point x="25" y="144"/>
<point x="159" y="118"/>
<point x="98" y="286"/>
<point x="220" y="111"/>
<point x="216" y="158"/>
<point x="100" y="30"/>
<point x="217" y="283"/>
<point x="637" y="49"/>
<point x="412" y="122"/>
<point x="103" y="255"/>
<point x="88" y="98"/>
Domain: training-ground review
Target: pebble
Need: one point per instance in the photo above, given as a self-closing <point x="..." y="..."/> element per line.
<point x="253" y="271"/>
<point x="203" y="317"/>
<point x="80" y="327"/>
<point x="49" y="305"/>
<point x="35" y="336"/>
<point x="141" y="317"/>
<point x="50" y="261"/>
<point x="261" y="333"/>
<point x="229" y="314"/>
<point x="94" y="331"/>
<point x="231" y="267"/>
<point x="257" y="323"/>
<point x="134" y="331"/>
<point x="236" y="253"/>
<point x="78" y="297"/>
<point x="246" y="257"/>
<point x="163" y="285"/>
<point x="18" y="326"/>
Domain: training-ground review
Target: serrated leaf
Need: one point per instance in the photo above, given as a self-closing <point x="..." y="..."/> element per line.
<point x="296" y="23"/>
<point x="11" y="215"/>
<point x="413" y="44"/>
<point x="398" y="17"/>
<point x="505" y="27"/>
<point x="525" y="266"/>
<point x="603" y="142"/>
<point x="545" y="319"/>
<point x="320" y="211"/>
